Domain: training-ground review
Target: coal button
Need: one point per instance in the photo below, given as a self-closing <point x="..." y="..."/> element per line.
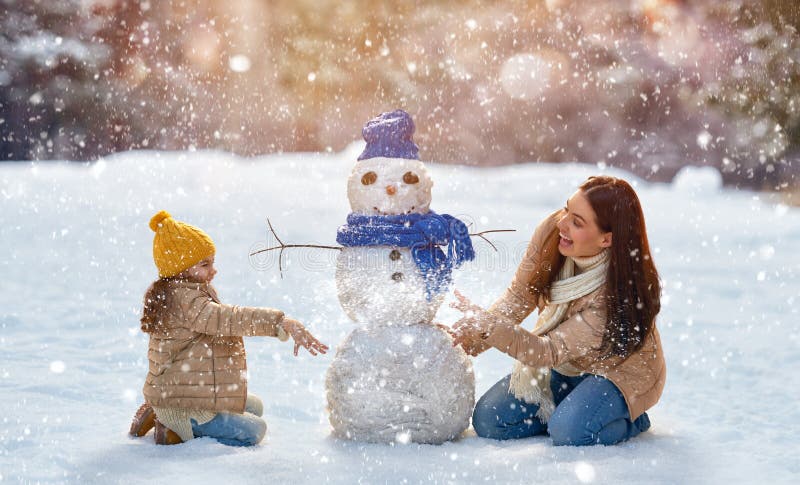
<point x="397" y="276"/>
<point x="394" y="255"/>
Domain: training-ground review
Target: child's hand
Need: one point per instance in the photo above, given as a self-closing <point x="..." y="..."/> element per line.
<point x="302" y="337"/>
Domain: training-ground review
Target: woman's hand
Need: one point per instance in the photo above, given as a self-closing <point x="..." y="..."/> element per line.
<point x="447" y="329"/>
<point x="471" y="331"/>
<point x="469" y="309"/>
<point x="472" y="344"/>
<point x="302" y="337"/>
<point x="471" y="347"/>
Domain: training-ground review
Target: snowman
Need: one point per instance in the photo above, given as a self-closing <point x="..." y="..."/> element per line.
<point x="397" y="376"/>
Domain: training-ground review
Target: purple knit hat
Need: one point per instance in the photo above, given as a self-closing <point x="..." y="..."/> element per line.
<point x="389" y="135"/>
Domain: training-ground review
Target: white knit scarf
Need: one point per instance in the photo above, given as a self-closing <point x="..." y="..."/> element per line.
<point x="532" y="384"/>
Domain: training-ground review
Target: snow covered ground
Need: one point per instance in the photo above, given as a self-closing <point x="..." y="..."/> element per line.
<point x="75" y="259"/>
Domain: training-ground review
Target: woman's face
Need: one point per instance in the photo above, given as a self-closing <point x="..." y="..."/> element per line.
<point x="580" y="235"/>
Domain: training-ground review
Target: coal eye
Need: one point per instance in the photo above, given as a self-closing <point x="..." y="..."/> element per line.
<point x="369" y="178"/>
<point x="410" y="178"/>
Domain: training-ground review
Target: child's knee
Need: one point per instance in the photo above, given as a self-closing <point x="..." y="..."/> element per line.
<point x="249" y="431"/>
<point x="259" y="430"/>
<point x="254" y="405"/>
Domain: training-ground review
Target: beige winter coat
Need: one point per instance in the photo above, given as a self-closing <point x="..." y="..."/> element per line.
<point x="640" y="377"/>
<point x="198" y="360"/>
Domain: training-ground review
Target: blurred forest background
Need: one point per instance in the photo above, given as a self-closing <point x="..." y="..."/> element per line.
<point x="647" y="85"/>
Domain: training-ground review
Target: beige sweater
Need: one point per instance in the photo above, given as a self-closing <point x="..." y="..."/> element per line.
<point x="198" y="360"/>
<point x="640" y="377"/>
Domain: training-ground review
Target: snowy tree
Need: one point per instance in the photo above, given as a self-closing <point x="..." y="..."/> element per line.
<point x="57" y="79"/>
<point x="650" y="86"/>
<point x="760" y="96"/>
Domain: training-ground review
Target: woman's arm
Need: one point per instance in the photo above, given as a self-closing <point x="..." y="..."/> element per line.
<point x="517" y="301"/>
<point x="574" y="337"/>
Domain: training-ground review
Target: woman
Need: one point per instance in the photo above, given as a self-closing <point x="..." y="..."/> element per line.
<point x="593" y="364"/>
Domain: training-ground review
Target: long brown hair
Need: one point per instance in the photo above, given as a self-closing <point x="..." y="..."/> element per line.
<point x="550" y="262"/>
<point x="633" y="290"/>
<point x="156" y="299"/>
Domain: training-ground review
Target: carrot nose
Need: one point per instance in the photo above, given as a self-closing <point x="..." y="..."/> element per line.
<point x="391" y="189"/>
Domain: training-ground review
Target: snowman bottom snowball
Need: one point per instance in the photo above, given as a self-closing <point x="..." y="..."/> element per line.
<point x="400" y="384"/>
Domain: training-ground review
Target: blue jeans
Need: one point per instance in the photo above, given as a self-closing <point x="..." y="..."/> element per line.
<point x="232" y="429"/>
<point x="589" y="410"/>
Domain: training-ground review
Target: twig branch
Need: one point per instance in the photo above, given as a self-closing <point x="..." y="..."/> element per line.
<point x="481" y="235"/>
<point x="286" y="246"/>
<point x="283" y="246"/>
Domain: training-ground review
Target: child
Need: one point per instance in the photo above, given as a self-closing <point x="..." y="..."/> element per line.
<point x="197" y="383"/>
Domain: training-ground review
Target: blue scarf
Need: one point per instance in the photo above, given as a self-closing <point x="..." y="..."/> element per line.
<point x="422" y="233"/>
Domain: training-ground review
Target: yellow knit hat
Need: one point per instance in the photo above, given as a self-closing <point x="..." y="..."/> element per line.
<point x="178" y="246"/>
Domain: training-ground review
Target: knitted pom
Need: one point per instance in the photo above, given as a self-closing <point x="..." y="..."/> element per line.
<point x="390" y="135"/>
<point x="156" y="220"/>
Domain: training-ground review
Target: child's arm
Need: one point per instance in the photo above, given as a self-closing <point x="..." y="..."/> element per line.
<point x="203" y="315"/>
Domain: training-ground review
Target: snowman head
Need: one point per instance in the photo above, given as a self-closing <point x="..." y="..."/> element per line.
<point x="389" y="186"/>
<point x="389" y="179"/>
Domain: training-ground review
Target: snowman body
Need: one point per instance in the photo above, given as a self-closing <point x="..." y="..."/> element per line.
<point x="395" y="289"/>
<point x="397" y="377"/>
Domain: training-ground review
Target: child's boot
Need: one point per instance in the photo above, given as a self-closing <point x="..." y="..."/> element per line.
<point x="165" y="436"/>
<point x="143" y="420"/>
